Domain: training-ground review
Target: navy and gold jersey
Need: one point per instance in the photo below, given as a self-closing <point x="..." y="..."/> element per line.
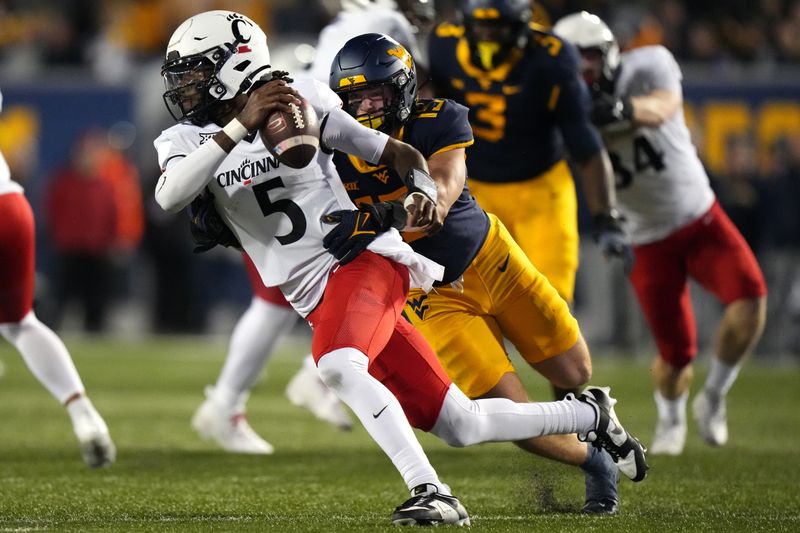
<point x="434" y="126"/>
<point x="523" y="111"/>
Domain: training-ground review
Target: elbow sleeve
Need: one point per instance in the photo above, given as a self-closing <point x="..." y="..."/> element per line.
<point x="186" y="177"/>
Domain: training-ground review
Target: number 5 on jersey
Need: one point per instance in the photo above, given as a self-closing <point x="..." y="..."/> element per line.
<point x="285" y="206"/>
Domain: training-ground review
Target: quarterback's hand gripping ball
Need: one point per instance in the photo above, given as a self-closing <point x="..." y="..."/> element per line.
<point x="292" y="137"/>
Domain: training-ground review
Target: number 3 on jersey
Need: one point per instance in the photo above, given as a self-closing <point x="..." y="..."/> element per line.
<point x="644" y="157"/>
<point x="285" y="206"/>
<point x="490" y="115"/>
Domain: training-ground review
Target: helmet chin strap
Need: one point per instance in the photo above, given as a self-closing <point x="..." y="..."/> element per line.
<point x="252" y="78"/>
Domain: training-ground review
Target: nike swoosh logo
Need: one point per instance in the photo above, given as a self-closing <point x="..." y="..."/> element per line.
<point x="504" y="266"/>
<point x="200" y="38"/>
<point x="376" y="415"/>
<point x="361" y="222"/>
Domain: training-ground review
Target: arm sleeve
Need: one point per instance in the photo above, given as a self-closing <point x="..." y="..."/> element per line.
<point x="319" y="95"/>
<point x="342" y="132"/>
<point x="184" y="172"/>
<point x="572" y="107"/>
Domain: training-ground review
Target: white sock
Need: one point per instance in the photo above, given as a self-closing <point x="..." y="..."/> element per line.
<point x="463" y="422"/>
<point x="672" y="411"/>
<point x="721" y="377"/>
<point x="309" y="364"/>
<point x="253" y="340"/>
<point x="46" y="356"/>
<point x="345" y="372"/>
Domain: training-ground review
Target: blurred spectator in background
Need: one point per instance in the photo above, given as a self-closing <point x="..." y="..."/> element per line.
<point x="114" y="168"/>
<point x="112" y="34"/>
<point x="82" y="220"/>
<point x="786" y="31"/>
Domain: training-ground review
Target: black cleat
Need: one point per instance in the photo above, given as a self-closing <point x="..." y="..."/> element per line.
<point x="627" y="452"/>
<point x="426" y="507"/>
<point x="607" y="506"/>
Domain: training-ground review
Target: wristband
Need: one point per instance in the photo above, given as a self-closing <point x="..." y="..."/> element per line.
<point x="235" y="131"/>
<point x="420" y="181"/>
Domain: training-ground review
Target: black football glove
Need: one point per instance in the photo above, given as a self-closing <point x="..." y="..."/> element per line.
<point x="612" y="239"/>
<point x="356" y="229"/>
<point x="207" y="227"/>
<point x="610" y="112"/>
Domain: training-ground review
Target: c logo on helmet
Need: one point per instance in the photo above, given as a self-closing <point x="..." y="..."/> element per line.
<point x="235" y="24"/>
<point x="236" y="21"/>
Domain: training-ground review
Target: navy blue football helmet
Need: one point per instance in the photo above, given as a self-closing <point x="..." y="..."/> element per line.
<point x="494" y="28"/>
<point x="374" y="75"/>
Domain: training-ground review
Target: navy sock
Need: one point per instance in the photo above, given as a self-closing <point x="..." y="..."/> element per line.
<point x="602" y="476"/>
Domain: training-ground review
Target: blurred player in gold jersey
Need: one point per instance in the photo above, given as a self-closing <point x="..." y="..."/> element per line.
<point x="527" y="105"/>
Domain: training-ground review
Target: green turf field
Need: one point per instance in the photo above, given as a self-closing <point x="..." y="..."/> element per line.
<point x="320" y="479"/>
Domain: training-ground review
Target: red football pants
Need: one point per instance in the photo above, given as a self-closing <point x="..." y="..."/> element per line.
<point x="361" y="309"/>
<point x="16" y="257"/>
<point x="710" y="250"/>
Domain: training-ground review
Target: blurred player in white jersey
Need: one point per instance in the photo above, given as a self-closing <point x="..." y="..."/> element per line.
<point x="216" y="70"/>
<point x="401" y="19"/>
<point x="677" y="226"/>
<point x="269" y="318"/>
<point x="41" y="349"/>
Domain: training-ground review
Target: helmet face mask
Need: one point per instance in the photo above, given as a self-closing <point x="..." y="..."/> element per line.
<point x="494" y="28"/>
<point x="375" y="78"/>
<point x="592" y="65"/>
<point x="212" y="57"/>
<point x="371" y="105"/>
<point x="190" y="82"/>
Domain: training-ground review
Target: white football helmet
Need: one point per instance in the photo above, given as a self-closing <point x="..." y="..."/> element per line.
<point x="586" y="31"/>
<point x="211" y="57"/>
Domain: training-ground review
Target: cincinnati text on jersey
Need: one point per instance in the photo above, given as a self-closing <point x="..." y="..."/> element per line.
<point x="246" y="171"/>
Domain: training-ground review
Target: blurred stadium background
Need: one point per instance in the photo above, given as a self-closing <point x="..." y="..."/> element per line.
<point x="82" y="93"/>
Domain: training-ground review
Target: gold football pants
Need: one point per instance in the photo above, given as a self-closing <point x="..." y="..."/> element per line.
<point x="503" y="296"/>
<point x="542" y="216"/>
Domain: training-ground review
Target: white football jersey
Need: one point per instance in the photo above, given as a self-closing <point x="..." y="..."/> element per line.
<point x="661" y="183"/>
<point x="6" y="185"/>
<point x="275" y="210"/>
<point x="349" y="24"/>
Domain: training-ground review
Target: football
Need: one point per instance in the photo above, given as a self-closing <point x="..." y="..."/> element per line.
<point x="293" y="137"/>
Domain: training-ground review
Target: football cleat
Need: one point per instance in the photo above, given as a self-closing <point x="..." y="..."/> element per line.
<point x="94" y="440"/>
<point x="627" y="452"/>
<point x="228" y="429"/>
<point x="427" y="507"/>
<point x="307" y="390"/>
<point x="601" y="477"/>
<point x="669" y="439"/>
<point x="709" y="412"/>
